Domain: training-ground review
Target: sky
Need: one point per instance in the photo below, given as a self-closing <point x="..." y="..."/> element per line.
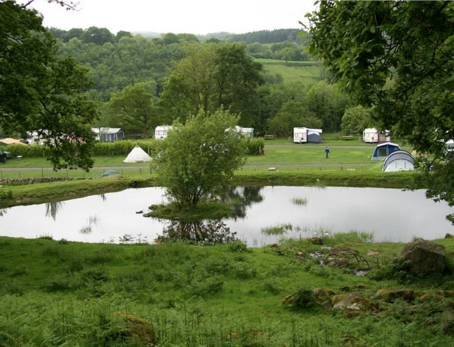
<point x="198" y="17"/>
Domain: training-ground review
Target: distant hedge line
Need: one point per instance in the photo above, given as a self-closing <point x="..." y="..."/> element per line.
<point x="114" y="148"/>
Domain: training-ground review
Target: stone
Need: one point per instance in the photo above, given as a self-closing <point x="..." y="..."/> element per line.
<point x="315" y="240"/>
<point x="425" y="256"/>
<point x="390" y="295"/>
<point x="354" y="302"/>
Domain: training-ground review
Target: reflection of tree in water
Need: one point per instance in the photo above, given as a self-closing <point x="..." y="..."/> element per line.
<point x="198" y="232"/>
<point x="243" y="198"/>
<point x="103" y="197"/>
<point x="52" y="208"/>
<point x="3" y="211"/>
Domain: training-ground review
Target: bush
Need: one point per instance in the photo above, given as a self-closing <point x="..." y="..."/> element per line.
<point x="254" y="145"/>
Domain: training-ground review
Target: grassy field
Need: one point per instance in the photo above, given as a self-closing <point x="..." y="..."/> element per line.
<point x="281" y="165"/>
<point x="304" y="72"/>
<point x="59" y="293"/>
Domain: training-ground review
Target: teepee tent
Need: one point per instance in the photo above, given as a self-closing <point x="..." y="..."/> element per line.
<point x="137" y="155"/>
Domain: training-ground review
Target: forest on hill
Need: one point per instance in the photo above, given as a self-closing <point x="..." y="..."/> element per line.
<point x="141" y="82"/>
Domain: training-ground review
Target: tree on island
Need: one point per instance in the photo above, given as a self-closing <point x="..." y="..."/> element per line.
<point x="43" y="93"/>
<point x="199" y="158"/>
<point x="397" y="56"/>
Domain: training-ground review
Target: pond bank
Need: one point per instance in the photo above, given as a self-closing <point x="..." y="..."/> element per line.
<point x="25" y="194"/>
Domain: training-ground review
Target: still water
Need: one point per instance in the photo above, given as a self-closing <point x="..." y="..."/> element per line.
<point x="390" y="214"/>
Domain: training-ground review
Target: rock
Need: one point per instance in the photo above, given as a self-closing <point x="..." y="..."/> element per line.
<point x="354" y="302"/>
<point x="390" y="295"/>
<point x="137" y="328"/>
<point x="322" y="297"/>
<point x="425" y="256"/>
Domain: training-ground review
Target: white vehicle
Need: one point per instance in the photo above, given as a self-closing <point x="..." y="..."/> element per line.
<point x="303" y="135"/>
<point x="370" y="135"/>
<point x="160" y="133"/>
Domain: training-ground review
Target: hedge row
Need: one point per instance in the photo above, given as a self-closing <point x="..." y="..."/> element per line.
<point x="254" y="146"/>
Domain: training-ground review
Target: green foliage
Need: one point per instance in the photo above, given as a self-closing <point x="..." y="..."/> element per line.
<point x="210" y="77"/>
<point x="254" y="145"/>
<point x="397" y="57"/>
<point x="133" y="110"/>
<point x="41" y="92"/>
<point x="239" y="247"/>
<point x="198" y="158"/>
<point x="355" y="120"/>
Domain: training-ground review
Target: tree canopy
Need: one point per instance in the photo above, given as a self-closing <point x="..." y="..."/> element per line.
<point x="211" y="76"/>
<point x="200" y="157"/>
<point x="43" y="93"/>
<point x="399" y="57"/>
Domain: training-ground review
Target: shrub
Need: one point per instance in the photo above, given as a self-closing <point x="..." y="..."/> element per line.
<point x="254" y="145"/>
<point x="98" y="274"/>
<point x="238" y="247"/>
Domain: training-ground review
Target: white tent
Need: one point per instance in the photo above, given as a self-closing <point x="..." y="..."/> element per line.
<point x="137" y="155"/>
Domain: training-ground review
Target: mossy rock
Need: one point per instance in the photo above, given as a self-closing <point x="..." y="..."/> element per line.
<point x="323" y="297"/>
<point x="390" y="295"/>
<point x="355" y="302"/>
<point x="137" y="328"/>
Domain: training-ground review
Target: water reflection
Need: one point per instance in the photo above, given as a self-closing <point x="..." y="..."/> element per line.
<point x="3" y="211"/>
<point x="203" y="232"/>
<point x="103" y="197"/>
<point x="52" y="208"/>
<point x="91" y="222"/>
<point x="244" y="198"/>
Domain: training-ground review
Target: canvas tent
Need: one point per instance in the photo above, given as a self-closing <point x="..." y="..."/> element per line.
<point x="137" y="155"/>
<point x="384" y="149"/>
<point x="398" y="161"/>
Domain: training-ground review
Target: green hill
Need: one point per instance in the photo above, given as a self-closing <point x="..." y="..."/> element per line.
<point x="307" y="72"/>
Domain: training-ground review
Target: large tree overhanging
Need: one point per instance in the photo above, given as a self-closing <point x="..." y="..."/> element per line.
<point x="40" y="92"/>
<point x="399" y="57"/>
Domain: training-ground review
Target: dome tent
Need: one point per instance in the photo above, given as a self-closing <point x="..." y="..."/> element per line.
<point x="398" y="161"/>
<point x="385" y="149"/>
<point x="137" y="155"/>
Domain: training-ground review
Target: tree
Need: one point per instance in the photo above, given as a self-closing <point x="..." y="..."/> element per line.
<point x="133" y="109"/>
<point x="399" y="57"/>
<point x="199" y="158"/>
<point x="211" y="76"/>
<point x="288" y="53"/>
<point x="355" y="120"/>
<point x="40" y="92"/>
<point x="98" y="36"/>
<point x="292" y="114"/>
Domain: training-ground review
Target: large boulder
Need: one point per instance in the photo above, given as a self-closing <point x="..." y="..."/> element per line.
<point x="425" y="256"/>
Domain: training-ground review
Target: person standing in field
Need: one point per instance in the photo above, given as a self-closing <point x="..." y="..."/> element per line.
<point x="327" y="152"/>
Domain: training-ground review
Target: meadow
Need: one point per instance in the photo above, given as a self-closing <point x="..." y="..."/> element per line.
<point x="159" y="292"/>
<point x="60" y="293"/>
<point x="306" y="72"/>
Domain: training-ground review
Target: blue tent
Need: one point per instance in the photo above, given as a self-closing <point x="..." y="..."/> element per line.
<point x="384" y="149"/>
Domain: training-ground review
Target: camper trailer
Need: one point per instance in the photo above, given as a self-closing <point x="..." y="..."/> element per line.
<point x="370" y="135"/>
<point x="160" y="133"/>
<point x="246" y="132"/>
<point x="306" y="135"/>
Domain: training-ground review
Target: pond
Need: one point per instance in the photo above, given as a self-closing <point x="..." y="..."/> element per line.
<point x="390" y="214"/>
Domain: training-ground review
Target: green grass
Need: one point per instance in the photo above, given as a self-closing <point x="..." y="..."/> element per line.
<point x="304" y="72"/>
<point x="67" y="293"/>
